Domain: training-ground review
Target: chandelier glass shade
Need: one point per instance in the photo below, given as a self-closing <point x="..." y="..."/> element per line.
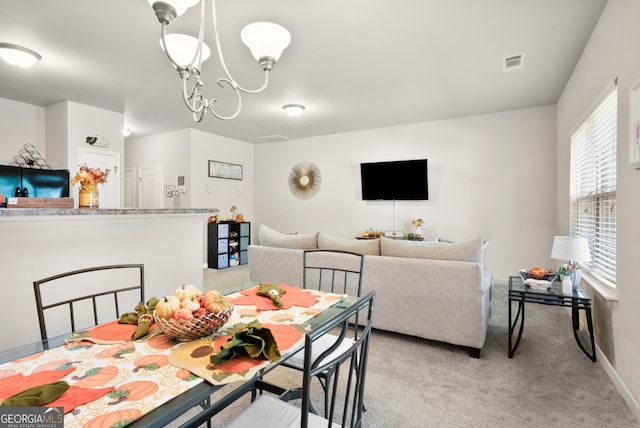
<point x="182" y="49"/>
<point x="266" y="41"/>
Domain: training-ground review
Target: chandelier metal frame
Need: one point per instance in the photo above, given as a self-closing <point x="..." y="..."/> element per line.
<point x="191" y="75"/>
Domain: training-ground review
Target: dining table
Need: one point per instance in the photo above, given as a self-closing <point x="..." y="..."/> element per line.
<point x="158" y="380"/>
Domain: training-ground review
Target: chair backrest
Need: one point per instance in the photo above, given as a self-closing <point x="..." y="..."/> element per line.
<point x="333" y="271"/>
<point x="345" y="388"/>
<point x="69" y="292"/>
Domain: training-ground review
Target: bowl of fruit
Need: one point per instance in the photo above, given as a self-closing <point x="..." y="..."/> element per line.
<point x="538" y="273"/>
<point x="190" y="314"/>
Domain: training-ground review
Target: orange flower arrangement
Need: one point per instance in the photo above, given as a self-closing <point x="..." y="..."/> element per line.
<point x="89" y="176"/>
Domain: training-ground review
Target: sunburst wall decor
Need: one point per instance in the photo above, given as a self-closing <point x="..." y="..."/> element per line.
<point x="304" y="180"/>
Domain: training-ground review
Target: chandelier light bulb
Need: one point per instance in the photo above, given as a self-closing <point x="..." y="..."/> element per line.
<point x="18" y="55"/>
<point x="265" y="39"/>
<point x="182" y="48"/>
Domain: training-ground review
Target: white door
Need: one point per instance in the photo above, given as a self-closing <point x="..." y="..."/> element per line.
<point x="130" y="188"/>
<point x="103" y="159"/>
<point x="150" y="190"/>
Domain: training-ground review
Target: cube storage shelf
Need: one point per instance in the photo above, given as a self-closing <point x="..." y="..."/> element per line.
<point x="227" y="244"/>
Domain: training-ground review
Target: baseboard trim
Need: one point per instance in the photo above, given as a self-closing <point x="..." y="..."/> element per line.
<point x="619" y="384"/>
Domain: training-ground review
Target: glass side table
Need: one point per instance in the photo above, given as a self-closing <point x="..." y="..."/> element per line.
<point x="521" y="293"/>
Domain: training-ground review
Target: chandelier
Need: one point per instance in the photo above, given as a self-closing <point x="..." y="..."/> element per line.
<point x="266" y="41"/>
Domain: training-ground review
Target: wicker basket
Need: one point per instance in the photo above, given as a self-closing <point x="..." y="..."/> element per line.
<point x="194" y="328"/>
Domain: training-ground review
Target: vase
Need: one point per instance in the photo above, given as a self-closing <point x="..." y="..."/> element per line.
<point x="88" y="196"/>
<point x="567" y="285"/>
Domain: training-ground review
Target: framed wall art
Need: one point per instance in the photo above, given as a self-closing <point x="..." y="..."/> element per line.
<point x="225" y="170"/>
<point x="634" y="143"/>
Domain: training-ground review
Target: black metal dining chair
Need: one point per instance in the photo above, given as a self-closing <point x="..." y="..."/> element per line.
<point x="344" y="405"/>
<point x="87" y="297"/>
<point x="331" y="271"/>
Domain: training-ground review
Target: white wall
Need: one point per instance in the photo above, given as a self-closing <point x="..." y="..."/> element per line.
<point x="20" y="124"/>
<point x="172" y="150"/>
<point x="609" y="54"/>
<point x="491" y="176"/>
<point x="209" y="192"/>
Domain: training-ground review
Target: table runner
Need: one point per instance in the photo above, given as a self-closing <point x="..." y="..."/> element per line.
<point x="139" y="372"/>
<point x="287" y="325"/>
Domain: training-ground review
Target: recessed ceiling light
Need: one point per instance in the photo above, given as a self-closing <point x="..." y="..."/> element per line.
<point x="18" y="55"/>
<point x="293" y="109"/>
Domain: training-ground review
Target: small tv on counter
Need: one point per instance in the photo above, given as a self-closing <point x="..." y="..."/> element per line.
<point x="395" y="180"/>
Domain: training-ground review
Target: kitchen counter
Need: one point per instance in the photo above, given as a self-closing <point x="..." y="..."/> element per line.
<point x="39" y="242"/>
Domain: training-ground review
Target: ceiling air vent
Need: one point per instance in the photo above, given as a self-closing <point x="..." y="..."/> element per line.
<point x="513" y="62"/>
<point x="271" y="138"/>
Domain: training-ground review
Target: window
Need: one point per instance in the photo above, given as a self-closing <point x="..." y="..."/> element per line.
<point x="593" y="186"/>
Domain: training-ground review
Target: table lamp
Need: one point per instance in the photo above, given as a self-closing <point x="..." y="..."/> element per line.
<point x="574" y="250"/>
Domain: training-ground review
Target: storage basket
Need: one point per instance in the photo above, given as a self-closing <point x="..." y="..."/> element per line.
<point x="194" y="328"/>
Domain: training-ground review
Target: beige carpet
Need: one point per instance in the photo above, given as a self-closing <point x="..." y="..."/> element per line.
<point x="549" y="382"/>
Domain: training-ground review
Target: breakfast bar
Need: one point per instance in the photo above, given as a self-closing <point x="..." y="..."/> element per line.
<point x="40" y="242"/>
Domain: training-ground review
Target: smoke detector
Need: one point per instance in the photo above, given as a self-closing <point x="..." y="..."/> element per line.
<point x="513" y="62"/>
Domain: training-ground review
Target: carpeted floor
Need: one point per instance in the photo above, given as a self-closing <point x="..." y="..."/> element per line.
<point x="549" y="383"/>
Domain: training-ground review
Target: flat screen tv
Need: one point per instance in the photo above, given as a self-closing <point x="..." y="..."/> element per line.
<point x="10" y="178"/>
<point x="396" y="180"/>
<point x="46" y="183"/>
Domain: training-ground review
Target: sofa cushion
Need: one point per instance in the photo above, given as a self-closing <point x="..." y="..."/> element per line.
<point x="466" y="251"/>
<point x="273" y="238"/>
<point x="360" y="246"/>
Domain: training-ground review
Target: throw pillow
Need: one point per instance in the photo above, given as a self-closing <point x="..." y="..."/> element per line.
<point x="466" y="251"/>
<point x="360" y="246"/>
<point x="272" y="238"/>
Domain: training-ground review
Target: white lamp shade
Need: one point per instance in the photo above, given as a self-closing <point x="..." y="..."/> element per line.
<point x="18" y="55"/>
<point x="570" y="248"/>
<point x="182" y="48"/>
<point x="265" y="39"/>
<point x="180" y="6"/>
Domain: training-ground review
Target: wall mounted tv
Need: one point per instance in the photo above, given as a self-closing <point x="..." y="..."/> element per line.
<point x="40" y="183"/>
<point x="395" y="181"/>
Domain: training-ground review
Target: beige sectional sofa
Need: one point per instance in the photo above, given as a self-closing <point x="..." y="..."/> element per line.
<point x="433" y="290"/>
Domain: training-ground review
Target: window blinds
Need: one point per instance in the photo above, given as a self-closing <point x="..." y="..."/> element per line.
<point x="593" y="186"/>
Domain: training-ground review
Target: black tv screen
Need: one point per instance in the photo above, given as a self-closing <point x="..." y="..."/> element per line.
<point x="10" y="178"/>
<point x="395" y="180"/>
<point x="46" y="183"/>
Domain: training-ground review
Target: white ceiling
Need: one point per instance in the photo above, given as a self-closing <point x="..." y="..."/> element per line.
<point x="355" y="64"/>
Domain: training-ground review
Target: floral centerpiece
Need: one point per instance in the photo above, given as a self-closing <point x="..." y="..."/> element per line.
<point x="89" y="178"/>
<point x="568" y="269"/>
<point x="417" y="223"/>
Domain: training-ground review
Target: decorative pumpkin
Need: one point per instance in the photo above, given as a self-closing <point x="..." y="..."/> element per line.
<point x="150" y="362"/>
<point x="187" y="291"/>
<point x="216" y="302"/>
<point x="96" y="376"/>
<point x="167" y="306"/>
<point x="192" y="305"/>
<point x="133" y="391"/>
<point x="183" y="314"/>
<point x="114" y="418"/>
